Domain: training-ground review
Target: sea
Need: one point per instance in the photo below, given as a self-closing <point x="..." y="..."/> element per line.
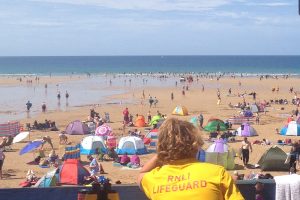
<point x="104" y="76"/>
<point x="57" y="65"/>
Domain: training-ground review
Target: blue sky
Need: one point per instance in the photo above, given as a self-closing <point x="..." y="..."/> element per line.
<point x="149" y="27"/>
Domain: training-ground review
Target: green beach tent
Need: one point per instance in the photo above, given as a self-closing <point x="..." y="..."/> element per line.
<point x="155" y="119"/>
<point x="273" y="160"/>
<point x="213" y="123"/>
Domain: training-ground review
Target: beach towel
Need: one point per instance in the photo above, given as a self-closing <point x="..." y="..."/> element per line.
<point x="287" y="187"/>
<point x="128" y="168"/>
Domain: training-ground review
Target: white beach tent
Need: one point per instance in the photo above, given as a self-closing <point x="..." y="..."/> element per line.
<point x="89" y="145"/>
<point x="292" y="129"/>
<point x="131" y="145"/>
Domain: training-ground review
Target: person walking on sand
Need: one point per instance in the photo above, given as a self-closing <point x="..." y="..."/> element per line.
<point x="126" y="116"/>
<point x="175" y="173"/>
<point x="172" y="96"/>
<point x="246" y="146"/>
<point x="2" y="157"/>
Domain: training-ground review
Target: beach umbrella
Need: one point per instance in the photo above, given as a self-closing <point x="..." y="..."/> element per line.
<point x="103" y="130"/>
<point x="21" y="136"/>
<point x="31" y="146"/>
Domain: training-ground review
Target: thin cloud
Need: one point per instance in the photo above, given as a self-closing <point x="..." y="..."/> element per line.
<point x="270" y="4"/>
<point x="155" y="5"/>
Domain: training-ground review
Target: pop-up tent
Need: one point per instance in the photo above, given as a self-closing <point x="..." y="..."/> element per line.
<point x="89" y="145"/>
<point x="48" y="180"/>
<point x="155" y="119"/>
<point x="131" y="145"/>
<point x="72" y="172"/>
<point x="245" y="130"/>
<point x="273" y="160"/>
<point x="180" y="110"/>
<point x="140" y="121"/>
<point x="213" y="124"/>
<point x="220" y="153"/>
<point x="292" y="129"/>
<point x="77" y="128"/>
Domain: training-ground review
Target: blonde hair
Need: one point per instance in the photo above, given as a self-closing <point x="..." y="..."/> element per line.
<point x="177" y="140"/>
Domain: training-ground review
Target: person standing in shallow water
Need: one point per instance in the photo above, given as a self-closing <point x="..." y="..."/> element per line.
<point x="175" y="173"/>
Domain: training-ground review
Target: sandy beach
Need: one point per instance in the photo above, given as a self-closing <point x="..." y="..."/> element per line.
<point x="196" y="101"/>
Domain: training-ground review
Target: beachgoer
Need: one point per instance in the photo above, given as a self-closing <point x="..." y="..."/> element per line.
<point x="175" y="173"/>
<point x="28" y="105"/>
<point x="134" y="161"/>
<point x="125" y="159"/>
<point x="47" y="139"/>
<point x="58" y="95"/>
<point x="155" y="101"/>
<point x="44" y="107"/>
<point x="2" y="158"/>
<point x="149" y="117"/>
<point x="63" y="139"/>
<point x="294" y="156"/>
<point x="201" y="119"/>
<point x="67" y="95"/>
<point x="151" y="101"/>
<point x="94" y="166"/>
<point x="172" y="96"/>
<point x="246" y="146"/>
<point x="126" y="116"/>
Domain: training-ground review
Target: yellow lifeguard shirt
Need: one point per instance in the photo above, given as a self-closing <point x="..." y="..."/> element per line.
<point x="188" y="180"/>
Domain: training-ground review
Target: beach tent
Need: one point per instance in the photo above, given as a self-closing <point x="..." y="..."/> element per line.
<point x="248" y="113"/>
<point x="254" y="108"/>
<point x="89" y="145"/>
<point x="273" y="160"/>
<point x="180" y="110"/>
<point x="213" y="123"/>
<point x="245" y="130"/>
<point x="72" y="172"/>
<point x="220" y="153"/>
<point x="152" y="135"/>
<point x="48" y="180"/>
<point x="194" y="121"/>
<point x="292" y="129"/>
<point x="131" y="145"/>
<point x="103" y="130"/>
<point x="155" y="119"/>
<point x="140" y="121"/>
<point x="77" y="128"/>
